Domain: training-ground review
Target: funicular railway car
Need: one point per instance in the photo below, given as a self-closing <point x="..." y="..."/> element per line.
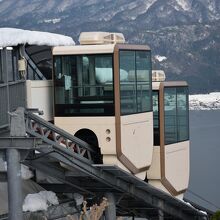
<point x="169" y="170"/>
<point x="102" y="94"/>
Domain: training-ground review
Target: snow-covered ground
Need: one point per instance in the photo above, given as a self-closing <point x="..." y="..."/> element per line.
<point x="39" y="201"/>
<point x="209" y="101"/>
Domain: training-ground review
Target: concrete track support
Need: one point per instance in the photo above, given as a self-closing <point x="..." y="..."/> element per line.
<point x="14" y="184"/>
<point x="110" y="211"/>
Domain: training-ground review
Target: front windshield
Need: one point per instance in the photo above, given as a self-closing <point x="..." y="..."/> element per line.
<point x="135" y="81"/>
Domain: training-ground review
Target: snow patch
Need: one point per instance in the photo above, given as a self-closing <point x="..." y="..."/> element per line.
<point x="149" y="4"/>
<point x="39" y="201"/>
<point x="189" y="204"/>
<point x="145" y="8"/>
<point x="14" y="37"/>
<point x="53" y="21"/>
<point x="64" y="5"/>
<point x="184" y="4"/>
<point x="78" y="198"/>
<point x="209" y="101"/>
<point x="203" y="212"/>
<point x="34" y="202"/>
<point x="133" y="18"/>
<point x="26" y="173"/>
<point x="190" y="55"/>
<point x="160" y="58"/>
<point x="132" y="5"/>
<point x="3" y="165"/>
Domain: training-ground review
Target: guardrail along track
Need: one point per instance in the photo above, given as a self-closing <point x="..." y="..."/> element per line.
<point x="50" y="134"/>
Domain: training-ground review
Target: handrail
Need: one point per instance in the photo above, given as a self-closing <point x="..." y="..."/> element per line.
<point x="58" y="138"/>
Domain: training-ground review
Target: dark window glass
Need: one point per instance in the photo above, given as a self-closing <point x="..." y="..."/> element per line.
<point x="143" y="71"/>
<point x="84" y="85"/>
<point x="170" y="114"/>
<point x="176" y="114"/>
<point x="10" y="63"/>
<point x="156" y="118"/>
<point x="182" y="111"/>
<point x="1" y="67"/>
<point x="128" y="82"/>
<point x="135" y="82"/>
<point x="15" y="65"/>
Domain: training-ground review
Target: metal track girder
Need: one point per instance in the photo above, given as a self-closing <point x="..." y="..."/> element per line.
<point x="147" y="195"/>
<point x="50" y="134"/>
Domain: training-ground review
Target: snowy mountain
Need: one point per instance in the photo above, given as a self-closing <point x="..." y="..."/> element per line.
<point x="185" y="33"/>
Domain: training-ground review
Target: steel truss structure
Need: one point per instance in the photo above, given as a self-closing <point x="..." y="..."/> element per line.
<point x="71" y="161"/>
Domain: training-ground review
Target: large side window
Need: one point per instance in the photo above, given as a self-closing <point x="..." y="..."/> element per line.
<point x="63" y="80"/>
<point x="183" y="114"/>
<point x="176" y="114"/>
<point x="135" y="82"/>
<point x="84" y="85"/>
<point x="128" y="82"/>
<point x="143" y="72"/>
<point x="170" y="114"/>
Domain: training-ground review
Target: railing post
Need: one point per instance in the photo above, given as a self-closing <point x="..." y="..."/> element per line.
<point x="5" y="77"/>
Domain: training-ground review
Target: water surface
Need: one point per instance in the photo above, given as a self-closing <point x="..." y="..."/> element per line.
<point x="205" y="158"/>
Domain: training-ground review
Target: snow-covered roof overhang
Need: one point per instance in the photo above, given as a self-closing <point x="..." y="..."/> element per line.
<point x="14" y="37"/>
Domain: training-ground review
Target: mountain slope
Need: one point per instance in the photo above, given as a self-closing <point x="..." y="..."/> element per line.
<point x="186" y="32"/>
